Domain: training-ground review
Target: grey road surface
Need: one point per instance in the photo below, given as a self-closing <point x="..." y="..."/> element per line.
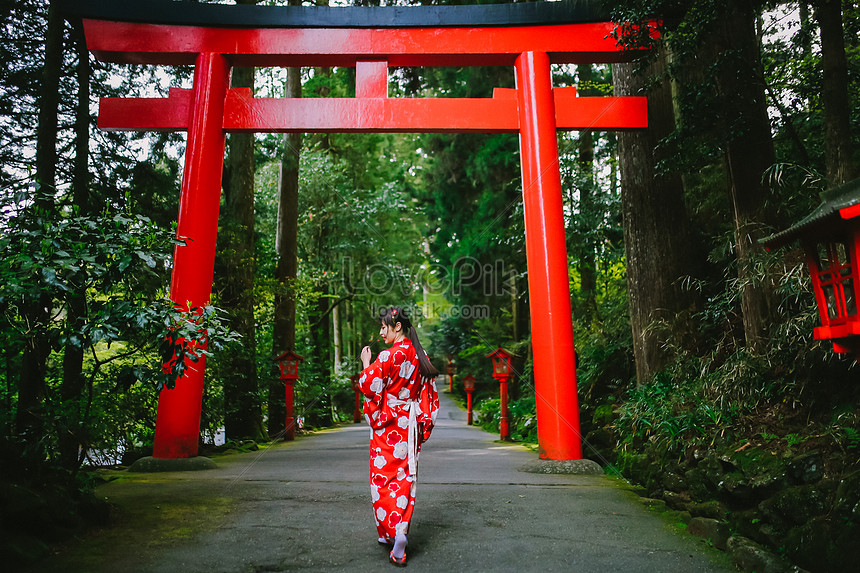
<point x="305" y="506"/>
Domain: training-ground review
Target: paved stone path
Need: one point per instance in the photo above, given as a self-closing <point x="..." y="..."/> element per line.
<point x="305" y="506"/>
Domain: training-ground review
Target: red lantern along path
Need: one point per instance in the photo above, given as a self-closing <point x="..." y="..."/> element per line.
<point x="289" y="363"/>
<point x="502" y="372"/>
<point x="527" y="36"/>
<point x="469" y="386"/>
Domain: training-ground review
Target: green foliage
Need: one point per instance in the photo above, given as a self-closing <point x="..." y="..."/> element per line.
<point x="118" y="261"/>
<point x="189" y="334"/>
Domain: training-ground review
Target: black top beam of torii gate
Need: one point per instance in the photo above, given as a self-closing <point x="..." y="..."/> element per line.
<point x="252" y="16"/>
<point x="529" y="36"/>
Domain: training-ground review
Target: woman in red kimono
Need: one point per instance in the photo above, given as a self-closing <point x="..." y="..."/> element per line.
<point x="400" y="405"/>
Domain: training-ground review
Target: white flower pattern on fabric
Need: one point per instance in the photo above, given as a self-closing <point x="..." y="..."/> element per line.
<point x="379" y="462"/>
<point x="406" y="370"/>
<point x="402" y="502"/>
<point x="380" y="514"/>
<point x="400" y="450"/>
<point x="377" y="385"/>
<point x="383" y="356"/>
<point x="403" y="422"/>
<point x="374" y="493"/>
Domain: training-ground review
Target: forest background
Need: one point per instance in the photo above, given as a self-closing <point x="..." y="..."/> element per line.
<point x="698" y="375"/>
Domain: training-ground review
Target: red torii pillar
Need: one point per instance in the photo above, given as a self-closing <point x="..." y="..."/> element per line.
<point x="177" y="424"/>
<point x="535" y="110"/>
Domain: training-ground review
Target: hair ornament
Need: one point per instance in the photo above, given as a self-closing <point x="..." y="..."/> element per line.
<point x="394" y="312"/>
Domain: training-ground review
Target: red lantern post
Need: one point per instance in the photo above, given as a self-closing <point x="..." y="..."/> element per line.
<point x="469" y="385"/>
<point x="289" y="363"/>
<point x="356" y="415"/>
<point x="502" y="373"/>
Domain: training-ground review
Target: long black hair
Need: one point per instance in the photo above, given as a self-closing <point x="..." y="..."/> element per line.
<point x="391" y="316"/>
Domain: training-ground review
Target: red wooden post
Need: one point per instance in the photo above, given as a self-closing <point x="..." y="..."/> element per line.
<point x="177" y="425"/>
<point x="504" y="419"/>
<point x="469" y="385"/>
<point x="290" y="418"/>
<point x="546" y="253"/>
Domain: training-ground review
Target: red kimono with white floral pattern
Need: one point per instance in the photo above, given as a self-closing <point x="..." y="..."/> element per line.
<point x="396" y="396"/>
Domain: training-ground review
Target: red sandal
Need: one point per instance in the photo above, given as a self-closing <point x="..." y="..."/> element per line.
<point x="397" y="562"/>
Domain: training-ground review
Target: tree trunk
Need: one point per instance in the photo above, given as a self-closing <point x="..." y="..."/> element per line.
<point x="337" y="342"/>
<point x="31" y="386"/>
<point x="749" y="153"/>
<point x="837" y="121"/>
<point x="243" y="410"/>
<point x="71" y="391"/>
<point x="284" y="329"/>
<point x="320" y="363"/>
<point x="587" y="202"/>
<point x="657" y="238"/>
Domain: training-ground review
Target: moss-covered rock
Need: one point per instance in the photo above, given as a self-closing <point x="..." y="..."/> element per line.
<point x="715" y="531"/>
<point x="709" y="509"/>
<point x="799" y="504"/>
<point x="750" y="556"/>
<point x="806" y="468"/>
<point x="846" y="503"/>
<point x="603" y="415"/>
<point x="811" y="545"/>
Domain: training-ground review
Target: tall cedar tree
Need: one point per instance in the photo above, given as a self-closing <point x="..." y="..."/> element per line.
<point x="838" y="148"/>
<point x="585" y="157"/>
<point x="284" y="331"/>
<point x="657" y="238"/>
<point x="31" y="387"/>
<point x="71" y="390"/>
<point x="242" y="407"/>
<point x="749" y="153"/>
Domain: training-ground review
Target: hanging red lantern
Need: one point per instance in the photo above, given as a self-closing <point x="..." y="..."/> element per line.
<point x="830" y="236"/>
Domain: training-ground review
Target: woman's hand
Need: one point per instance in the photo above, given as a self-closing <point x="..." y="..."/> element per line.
<point x="366" y="355"/>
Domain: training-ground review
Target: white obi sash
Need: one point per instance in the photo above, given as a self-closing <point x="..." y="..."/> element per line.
<point x="412" y="441"/>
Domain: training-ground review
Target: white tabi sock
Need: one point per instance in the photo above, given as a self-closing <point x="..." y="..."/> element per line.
<point x="399" y="545"/>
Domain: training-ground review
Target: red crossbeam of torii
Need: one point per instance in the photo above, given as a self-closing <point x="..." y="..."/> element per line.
<point x="535" y="110"/>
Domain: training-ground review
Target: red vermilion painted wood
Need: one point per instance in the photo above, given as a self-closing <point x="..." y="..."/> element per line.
<point x="177" y="424"/>
<point x="290" y="421"/>
<point x="549" y="292"/>
<point x="133" y="43"/>
<point x="371" y="79"/>
<point x="372" y="113"/>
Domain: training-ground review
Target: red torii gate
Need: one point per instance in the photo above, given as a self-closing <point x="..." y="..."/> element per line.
<point x="247" y="36"/>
